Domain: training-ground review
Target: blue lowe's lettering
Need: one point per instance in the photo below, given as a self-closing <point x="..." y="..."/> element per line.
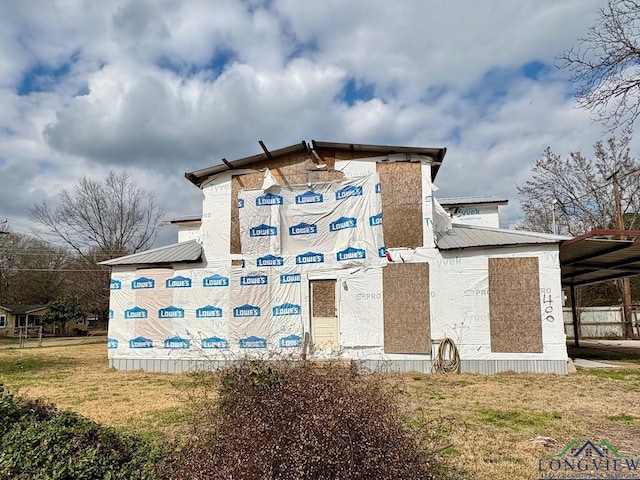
<point x="208" y="312"/>
<point x="171" y="312"/>
<point x="253" y="342"/>
<point x="115" y="284"/>
<point x="382" y="252"/>
<point x="291" y="341"/>
<point x="112" y="343"/>
<point x="378" y="187"/>
<point x="269" y="199"/>
<point x="177" y="343"/>
<point x="286" y="278"/>
<point x="178" y="282"/>
<point x="215" y="281"/>
<point x="110" y="314"/>
<point x="309" y="257"/>
<point x="214" y="342"/>
<point x="342" y="223"/>
<point x="269" y="261"/>
<point x="309" y="197"/>
<point x="241" y="203"/>
<point x="375" y="220"/>
<point x="142" y="283"/>
<point x="252" y="280"/>
<point x="351" y="254"/>
<point x="263" y="230"/>
<point x="303" y="229"/>
<point x="349" y="191"/>
<point x="140" y="342"/>
<point x="286" y="309"/>
<point x="135" y="313"/>
<point x="246" y="310"/>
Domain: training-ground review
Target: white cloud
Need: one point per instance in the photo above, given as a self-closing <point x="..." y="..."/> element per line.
<point x="163" y="87"/>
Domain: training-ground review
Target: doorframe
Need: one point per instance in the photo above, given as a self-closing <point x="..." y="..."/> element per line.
<point x="318" y="277"/>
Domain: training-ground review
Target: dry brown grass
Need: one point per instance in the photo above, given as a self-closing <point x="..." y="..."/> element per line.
<point x="494" y="418"/>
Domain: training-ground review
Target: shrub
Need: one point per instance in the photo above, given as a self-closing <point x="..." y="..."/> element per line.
<point x="41" y="442"/>
<point x="285" y="420"/>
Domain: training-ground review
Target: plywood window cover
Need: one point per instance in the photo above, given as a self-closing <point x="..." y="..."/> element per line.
<point x="514" y="305"/>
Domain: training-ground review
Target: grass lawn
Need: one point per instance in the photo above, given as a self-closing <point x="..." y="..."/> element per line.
<point x="492" y="420"/>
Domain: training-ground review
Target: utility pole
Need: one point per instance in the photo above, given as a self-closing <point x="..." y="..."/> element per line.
<point x="625" y="282"/>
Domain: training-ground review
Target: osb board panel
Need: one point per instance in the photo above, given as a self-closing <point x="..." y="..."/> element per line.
<point x="401" y="189"/>
<point x="402" y="226"/>
<point x="514" y="305"/>
<point x="323" y="298"/>
<point x="407" y="326"/>
<point x="400" y="183"/>
<point x="349" y="155"/>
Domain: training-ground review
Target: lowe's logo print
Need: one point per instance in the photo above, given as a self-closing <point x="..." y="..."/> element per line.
<point x="289" y="278"/>
<point x="269" y="199"/>
<point x="115" y="284"/>
<point x="241" y="203"/>
<point x="140" y="342"/>
<point x="351" y="254"/>
<point x="112" y="343"/>
<point x="349" y="191"/>
<point x="178" y="282"/>
<point x="209" y="312"/>
<point x="110" y="314"/>
<point x="135" y="313"/>
<point x="377" y="187"/>
<point x="171" y="312"/>
<point x="309" y="257"/>
<point x="286" y="309"/>
<point x="143" y="282"/>
<point x="177" y="343"/>
<point x="269" y="261"/>
<point x="215" y="281"/>
<point x="246" y="310"/>
<point x="342" y="223"/>
<point x="263" y="231"/>
<point x="303" y="229"/>
<point x="290" y="341"/>
<point x="309" y="197"/>
<point x="382" y="252"/>
<point x="375" y="220"/>
<point x="253" y="342"/>
<point x="254" y="280"/>
<point x="214" y="342"/>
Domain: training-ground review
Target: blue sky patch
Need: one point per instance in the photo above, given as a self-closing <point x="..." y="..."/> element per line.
<point x="43" y="78"/>
<point x="355" y="91"/>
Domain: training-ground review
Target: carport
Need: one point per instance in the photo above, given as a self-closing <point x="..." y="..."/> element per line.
<point x="598" y="256"/>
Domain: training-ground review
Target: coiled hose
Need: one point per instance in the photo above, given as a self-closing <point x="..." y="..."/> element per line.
<point x="447" y="360"/>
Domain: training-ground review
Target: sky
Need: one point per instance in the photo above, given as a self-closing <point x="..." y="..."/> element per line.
<point x="162" y="87"/>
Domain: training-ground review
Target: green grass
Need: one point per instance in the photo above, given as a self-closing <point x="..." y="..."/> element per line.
<point x="623" y="417"/>
<point x="615" y="374"/>
<point x="18" y="365"/>
<point x="518" y="420"/>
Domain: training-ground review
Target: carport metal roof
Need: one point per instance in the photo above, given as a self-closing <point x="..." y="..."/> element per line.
<point x="600" y="255"/>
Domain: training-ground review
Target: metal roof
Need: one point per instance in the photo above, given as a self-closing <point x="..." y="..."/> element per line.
<point x="483" y="199"/>
<point x="185" y="252"/>
<point x="473" y="236"/>
<point x="597" y="256"/>
<point x="197" y="177"/>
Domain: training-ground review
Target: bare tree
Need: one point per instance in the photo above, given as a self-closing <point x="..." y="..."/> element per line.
<point x="103" y="219"/>
<point x="579" y="194"/>
<point x="603" y="65"/>
<point x="579" y="191"/>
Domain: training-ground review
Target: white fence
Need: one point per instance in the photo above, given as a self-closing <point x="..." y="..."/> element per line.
<point x="599" y="322"/>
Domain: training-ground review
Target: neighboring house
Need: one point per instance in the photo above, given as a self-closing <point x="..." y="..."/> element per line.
<point x="481" y="210"/>
<point x="13" y="318"/>
<point x="188" y="227"/>
<point x="337" y="249"/>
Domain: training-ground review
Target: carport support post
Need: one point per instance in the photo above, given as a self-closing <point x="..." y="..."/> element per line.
<point x="574" y="314"/>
